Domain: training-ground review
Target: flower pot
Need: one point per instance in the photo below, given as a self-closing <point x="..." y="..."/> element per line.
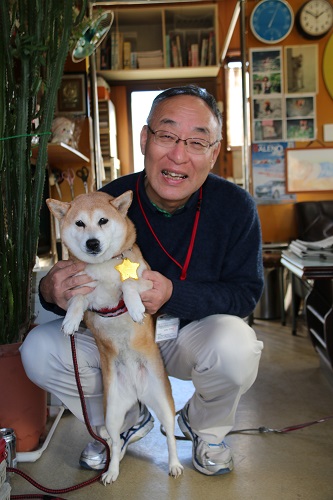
<point x="23" y="405"/>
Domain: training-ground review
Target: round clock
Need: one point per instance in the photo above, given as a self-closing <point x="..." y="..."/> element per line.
<point x="315" y="18"/>
<point x="272" y="20"/>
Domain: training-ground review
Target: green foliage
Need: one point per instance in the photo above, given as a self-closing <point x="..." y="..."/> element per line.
<point x="34" y="40"/>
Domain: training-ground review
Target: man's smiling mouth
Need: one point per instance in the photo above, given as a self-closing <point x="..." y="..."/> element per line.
<point x="173" y="175"/>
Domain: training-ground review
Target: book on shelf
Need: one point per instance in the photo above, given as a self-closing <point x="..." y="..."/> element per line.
<point x="167" y="51"/>
<point x="204" y="52"/>
<point x="127" y="48"/>
<point x="194" y="55"/>
<point x="211" y="49"/>
<point x="116" y="50"/>
<point x="176" y="48"/>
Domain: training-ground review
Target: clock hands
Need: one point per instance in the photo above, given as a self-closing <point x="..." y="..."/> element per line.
<point x="273" y="17"/>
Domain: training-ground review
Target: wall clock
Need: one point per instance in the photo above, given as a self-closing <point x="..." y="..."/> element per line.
<point x="314" y="19"/>
<point x="272" y="20"/>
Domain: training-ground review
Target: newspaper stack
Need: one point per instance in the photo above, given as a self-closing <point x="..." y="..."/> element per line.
<point x="322" y="249"/>
<point x="150" y="59"/>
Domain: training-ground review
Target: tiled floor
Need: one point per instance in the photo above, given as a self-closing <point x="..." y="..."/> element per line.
<point x="291" y="388"/>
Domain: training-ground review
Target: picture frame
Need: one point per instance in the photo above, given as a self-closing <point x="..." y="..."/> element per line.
<point x="301" y="69"/>
<point x="309" y="169"/>
<point x="72" y="95"/>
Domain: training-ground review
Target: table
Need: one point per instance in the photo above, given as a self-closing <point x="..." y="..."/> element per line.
<point x="318" y="301"/>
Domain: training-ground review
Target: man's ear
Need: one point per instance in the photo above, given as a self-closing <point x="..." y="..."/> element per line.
<point x="215" y="154"/>
<point x="143" y="139"/>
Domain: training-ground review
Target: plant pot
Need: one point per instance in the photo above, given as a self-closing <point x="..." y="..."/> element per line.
<point x="23" y="405"/>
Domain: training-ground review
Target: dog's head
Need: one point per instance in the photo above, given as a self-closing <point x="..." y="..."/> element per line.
<point x="297" y="61"/>
<point x="94" y="226"/>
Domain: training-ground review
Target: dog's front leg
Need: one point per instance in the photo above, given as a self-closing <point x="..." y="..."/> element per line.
<point x="77" y="305"/>
<point x="133" y="300"/>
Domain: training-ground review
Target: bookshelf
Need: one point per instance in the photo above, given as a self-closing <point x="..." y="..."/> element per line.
<point x="167" y="42"/>
<point x="108" y="138"/>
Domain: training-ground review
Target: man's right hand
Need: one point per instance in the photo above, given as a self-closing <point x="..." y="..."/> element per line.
<point x="63" y="282"/>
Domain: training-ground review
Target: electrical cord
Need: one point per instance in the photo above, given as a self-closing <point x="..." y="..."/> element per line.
<point x="91" y="432"/>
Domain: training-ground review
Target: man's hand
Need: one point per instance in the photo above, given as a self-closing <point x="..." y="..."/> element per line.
<point x="63" y="282"/>
<point x="159" y="294"/>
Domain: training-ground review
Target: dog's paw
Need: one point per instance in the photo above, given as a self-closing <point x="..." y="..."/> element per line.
<point x="110" y="476"/>
<point x="176" y="469"/>
<point x="137" y="311"/>
<point x="69" y="327"/>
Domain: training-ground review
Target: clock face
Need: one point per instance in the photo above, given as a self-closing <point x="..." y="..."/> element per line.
<point x="272" y="20"/>
<point x="315" y="18"/>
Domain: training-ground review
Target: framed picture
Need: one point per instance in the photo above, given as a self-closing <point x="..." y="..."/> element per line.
<point x="301" y="69"/>
<point x="72" y="94"/>
<point x="309" y="169"/>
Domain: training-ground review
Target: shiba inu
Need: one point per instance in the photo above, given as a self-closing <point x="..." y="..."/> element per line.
<point x="96" y="230"/>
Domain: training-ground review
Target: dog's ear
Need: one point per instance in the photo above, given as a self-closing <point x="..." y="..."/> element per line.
<point x="58" y="208"/>
<point x="123" y="202"/>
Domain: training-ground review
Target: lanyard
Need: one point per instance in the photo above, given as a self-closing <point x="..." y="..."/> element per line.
<point x="193" y="235"/>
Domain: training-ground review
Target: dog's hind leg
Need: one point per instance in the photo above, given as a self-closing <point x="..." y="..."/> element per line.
<point x="159" y="398"/>
<point x="119" y="400"/>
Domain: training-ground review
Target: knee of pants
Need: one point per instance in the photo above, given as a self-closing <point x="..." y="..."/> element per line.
<point x="33" y="354"/>
<point x="232" y="352"/>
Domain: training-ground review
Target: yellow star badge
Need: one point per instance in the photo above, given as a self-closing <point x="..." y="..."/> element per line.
<point x="127" y="269"/>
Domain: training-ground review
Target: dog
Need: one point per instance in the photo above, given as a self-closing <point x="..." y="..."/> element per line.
<point x="297" y="72"/>
<point x="96" y="229"/>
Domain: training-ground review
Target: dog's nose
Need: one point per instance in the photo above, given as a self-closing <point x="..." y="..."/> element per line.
<point x="93" y="245"/>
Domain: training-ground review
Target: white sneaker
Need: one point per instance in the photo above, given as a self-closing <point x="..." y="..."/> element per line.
<point x="94" y="454"/>
<point x="210" y="459"/>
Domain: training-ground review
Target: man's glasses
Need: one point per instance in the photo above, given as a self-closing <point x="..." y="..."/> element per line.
<point x="193" y="145"/>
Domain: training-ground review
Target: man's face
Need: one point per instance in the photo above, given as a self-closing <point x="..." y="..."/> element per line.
<point x="174" y="174"/>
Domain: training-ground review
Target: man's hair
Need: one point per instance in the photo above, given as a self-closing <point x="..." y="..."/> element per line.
<point x="193" y="90"/>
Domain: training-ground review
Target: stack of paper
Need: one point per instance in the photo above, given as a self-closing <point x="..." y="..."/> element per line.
<point x="150" y="59"/>
<point x="322" y="249"/>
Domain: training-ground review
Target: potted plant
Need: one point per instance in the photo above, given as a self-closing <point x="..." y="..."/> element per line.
<point x="34" y="42"/>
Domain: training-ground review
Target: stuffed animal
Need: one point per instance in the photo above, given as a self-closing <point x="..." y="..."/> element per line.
<point x="63" y="131"/>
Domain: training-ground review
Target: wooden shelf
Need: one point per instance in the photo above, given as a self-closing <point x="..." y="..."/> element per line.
<point x="61" y="154"/>
<point x="176" y="32"/>
<point x="160" y="73"/>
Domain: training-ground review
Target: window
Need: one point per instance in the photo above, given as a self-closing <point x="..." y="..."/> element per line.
<point x="140" y="106"/>
<point x="234" y="104"/>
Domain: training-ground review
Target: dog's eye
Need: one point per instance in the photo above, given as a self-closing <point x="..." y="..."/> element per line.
<point x="79" y="223"/>
<point x="102" y="222"/>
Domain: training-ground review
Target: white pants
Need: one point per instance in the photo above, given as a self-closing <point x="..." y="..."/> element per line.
<point x="220" y="354"/>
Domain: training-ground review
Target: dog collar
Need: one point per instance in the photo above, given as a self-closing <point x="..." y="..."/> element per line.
<point x="112" y="313"/>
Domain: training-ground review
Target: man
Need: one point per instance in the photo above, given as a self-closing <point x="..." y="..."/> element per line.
<point x="201" y="237"/>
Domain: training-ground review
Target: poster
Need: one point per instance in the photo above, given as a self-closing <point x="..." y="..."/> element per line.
<point x="268" y="172"/>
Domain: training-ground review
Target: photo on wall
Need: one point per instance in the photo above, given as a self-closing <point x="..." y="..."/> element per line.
<point x="266" y="69"/>
<point x="301" y="69"/>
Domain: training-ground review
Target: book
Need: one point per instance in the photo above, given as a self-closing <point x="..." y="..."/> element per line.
<point x="204" y="52"/>
<point x="127" y="47"/>
<point x="194" y="55"/>
<point x="167" y="52"/>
